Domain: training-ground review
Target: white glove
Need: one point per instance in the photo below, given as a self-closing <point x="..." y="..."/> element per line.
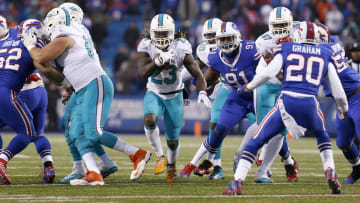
<point x="204" y="99"/>
<point x="163" y="58"/>
<point x="29" y="40"/>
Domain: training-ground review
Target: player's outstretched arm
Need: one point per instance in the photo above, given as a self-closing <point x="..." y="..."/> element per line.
<point x="337" y="91"/>
<point x="211" y="76"/>
<point x="272" y="70"/>
<point x="52" y="50"/>
<point x="50" y="72"/>
<point x="195" y="71"/>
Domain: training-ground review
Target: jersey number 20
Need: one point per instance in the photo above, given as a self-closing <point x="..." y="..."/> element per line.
<point x="309" y="66"/>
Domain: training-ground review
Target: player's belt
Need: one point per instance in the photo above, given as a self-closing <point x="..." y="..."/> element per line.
<point x="173" y="92"/>
<point x="354" y="92"/>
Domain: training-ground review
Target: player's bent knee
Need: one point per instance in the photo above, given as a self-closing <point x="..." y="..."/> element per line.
<point x="221" y="130"/>
<point x="344" y="147"/>
<point x="150" y="120"/>
<point x="213" y="126"/>
<point x="173" y="144"/>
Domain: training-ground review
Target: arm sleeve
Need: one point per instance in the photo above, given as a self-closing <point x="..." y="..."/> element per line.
<point x="334" y="83"/>
<point x="270" y="71"/>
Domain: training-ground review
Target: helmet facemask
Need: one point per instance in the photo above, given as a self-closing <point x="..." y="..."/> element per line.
<point x="227" y="43"/>
<point x="210" y="38"/>
<point x="161" y="38"/>
<point x="280" y="30"/>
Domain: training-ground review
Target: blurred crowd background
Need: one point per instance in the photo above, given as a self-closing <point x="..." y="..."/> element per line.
<point x="116" y="26"/>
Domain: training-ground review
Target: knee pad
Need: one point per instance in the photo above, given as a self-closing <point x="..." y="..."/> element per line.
<point x="173" y="144"/>
<point x="221" y="130"/>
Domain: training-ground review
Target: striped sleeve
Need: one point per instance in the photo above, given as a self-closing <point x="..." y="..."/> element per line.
<point x="277" y="49"/>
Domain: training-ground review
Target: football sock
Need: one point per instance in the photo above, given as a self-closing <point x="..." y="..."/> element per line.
<point x="172" y="154"/>
<point x="90" y="161"/>
<point x="289" y="160"/>
<point x="217" y="162"/>
<point x="153" y="137"/>
<point x="106" y="161"/>
<point x="43" y="148"/>
<point x="274" y="146"/>
<point x="99" y="150"/>
<point x="263" y="152"/>
<point x="110" y="140"/>
<point x="246" y="139"/>
<point x="327" y="159"/>
<point x="284" y="151"/>
<point x="16" y="145"/>
<point x="79" y="167"/>
<point x="351" y="154"/>
<point x="217" y="158"/>
<point x="199" y="154"/>
<point x="242" y="169"/>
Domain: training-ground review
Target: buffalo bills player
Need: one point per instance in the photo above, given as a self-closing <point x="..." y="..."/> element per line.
<point x="347" y="128"/>
<point x="235" y="61"/>
<point x="304" y="66"/>
<point x="15" y="67"/>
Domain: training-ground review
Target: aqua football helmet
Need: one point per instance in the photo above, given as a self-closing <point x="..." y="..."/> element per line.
<point x="162" y="31"/>
<point x="209" y="31"/>
<point x="280" y="22"/>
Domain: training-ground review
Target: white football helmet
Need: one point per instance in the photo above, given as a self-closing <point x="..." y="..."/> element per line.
<point x="209" y="31"/>
<point x="280" y="22"/>
<point x="307" y="33"/>
<point x="324" y="33"/>
<point x="228" y="37"/>
<point x="3" y="26"/>
<point x="55" y="18"/>
<point x="162" y="30"/>
<point x="34" y="26"/>
<point x="75" y="11"/>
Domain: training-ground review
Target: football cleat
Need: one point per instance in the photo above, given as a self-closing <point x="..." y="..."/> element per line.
<point x="92" y="178"/>
<point x="354" y="175"/>
<point x="171" y="173"/>
<point x="140" y="158"/>
<point x="105" y="172"/>
<point x="71" y="176"/>
<point x="160" y="165"/>
<point x="204" y="168"/>
<point x="186" y="172"/>
<point x="235" y="188"/>
<point x="263" y="180"/>
<point x="217" y="173"/>
<point x="292" y="171"/>
<point x="49" y="175"/>
<point x="4" y="178"/>
<point x="332" y="180"/>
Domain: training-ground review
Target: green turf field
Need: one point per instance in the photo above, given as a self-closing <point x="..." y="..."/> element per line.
<point x="24" y="171"/>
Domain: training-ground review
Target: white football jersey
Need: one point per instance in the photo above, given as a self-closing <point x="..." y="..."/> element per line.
<point x="266" y="43"/>
<point x="169" y="79"/>
<point x="81" y="62"/>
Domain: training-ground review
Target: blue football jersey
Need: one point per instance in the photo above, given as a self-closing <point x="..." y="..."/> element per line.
<point x="304" y="66"/>
<point x="16" y="63"/>
<point x="350" y="79"/>
<point x="242" y="69"/>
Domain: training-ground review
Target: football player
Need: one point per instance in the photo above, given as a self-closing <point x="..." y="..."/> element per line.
<point x="234" y="60"/>
<point x="162" y="58"/>
<point x="72" y="48"/>
<point x="107" y="164"/>
<point x="280" y="30"/>
<point x="17" y="66"/>
<point x="304" y="66"/>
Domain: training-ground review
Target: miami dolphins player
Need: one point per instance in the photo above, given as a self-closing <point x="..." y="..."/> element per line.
<point x="72" y="48"/>
<point x="107" y="165"/>
<point x="304" y="66"/>
<point x="235" y="60"/>
<point x="280" y="30"/>
<point x="347" y="128"/>
<point x="16" y="68"/>
<point x="162" y="58"/>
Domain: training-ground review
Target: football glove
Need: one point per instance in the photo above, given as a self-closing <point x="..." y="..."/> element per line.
<point x="29" y="40"/>
<point x="66" y="97"/>
<point x="242" y="89"/>
<point x="203" y="99"/>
